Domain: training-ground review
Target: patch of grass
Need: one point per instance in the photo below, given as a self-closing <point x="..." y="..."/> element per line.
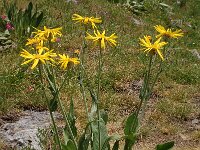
<point x="125" y="63"/>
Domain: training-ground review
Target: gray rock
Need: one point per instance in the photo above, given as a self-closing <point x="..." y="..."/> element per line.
<point x="196" y="53"/>
<point x="75" y="1"/>
<point x="195" y="121"/>
<point x="24" y="131"/>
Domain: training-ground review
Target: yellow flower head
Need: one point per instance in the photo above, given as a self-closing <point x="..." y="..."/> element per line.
<point x="102" y="38"/>
<point x="77" y="51"/>
<point x="152" y="47"/>
<point x="41" y="49"/>
<point x="168" y="33"/>
<point x="65" y="60"/>
<point x="86" y="20"/>
<point x="37" y="41"/>
<point x="46" y="33"/>
<point x="48" y="56"/>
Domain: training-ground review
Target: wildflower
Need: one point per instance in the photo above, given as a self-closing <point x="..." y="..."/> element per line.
<point x="3" y="17"/>
<point x="168" y="33"/>
<point x="9" y="26"/>
<point x="64" y="61"/>
<point x="100" y="37"/>
<point x="37" y="40"/>
<point x="48" y="33"/>
<point x="77" y="52"/>
<point x="152" y="47"/>
<point x="37" y="57"/>
<point x="75" y="60"/>
<point x="86" y="20"/>
<point x="58" y="40"/>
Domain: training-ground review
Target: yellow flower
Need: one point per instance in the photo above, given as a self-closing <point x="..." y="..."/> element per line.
<point x="46" y="33"/>
<point x="64" y="61"/>
<point x="75" y="60"/>
<point x="86" y="20"/>
<point x="152" y="47"/>
<point x="77" y="52"/>
<point x="100" y="37"/>
<point x="168" y="32"/>
<point x="38" y="41"/>
<point x="41" y="49"/>
<point x="37" y="57"/>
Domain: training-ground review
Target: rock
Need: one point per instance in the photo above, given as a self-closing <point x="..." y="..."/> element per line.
<point x="196" y="53"/>
<point x="137" y="22"/>
<point x="75" y="1"/>
<point x="23" y="132"/>
<point x="184" y="137"/>
<point x="195" y="121"/>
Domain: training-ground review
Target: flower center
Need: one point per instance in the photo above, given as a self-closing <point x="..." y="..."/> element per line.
<point x="38" y="56"/>
<point x="86" y="20"/>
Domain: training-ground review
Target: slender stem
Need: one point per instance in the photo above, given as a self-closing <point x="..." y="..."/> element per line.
<point x="155" y="79"/>
<point x="82" y="74"/>
<point x="51" y="114"/>
<point x="56" y="95"/>
<point x="98" y="94"/>
<point x="67" y="122"/>
<point x="145" y="88"/>
<point x="147" y="82"/>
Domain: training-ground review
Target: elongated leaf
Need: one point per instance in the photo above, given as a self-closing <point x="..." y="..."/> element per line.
<point x="39" y="19"/>
<point x="165" y="146"/>
<point x="72" y="118"/>
<point x="104" y="116"/>
<point x="53" y="104"/>
<point x="69" y="146"/>
<point x="130" y="131"/>
<point x="110" y="138"/>
<point x="29" y="10"/>
<point x="83" y="142"/>
<point x="94" y="105"/>
<point x="116" y="146"/>
<point x="131" y="124"/>
<point x="95" y="133"/>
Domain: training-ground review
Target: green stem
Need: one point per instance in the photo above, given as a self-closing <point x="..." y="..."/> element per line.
<point x="82" y="74"/>
<point x="67" y="122"/>
<point x="98" y="94"/>
<point x="146" y="86"/>
<point x="56" y="95"/>
<point x="51" y="114"/>
<point x="145" y="89"/>
<point x="155" y="79"/>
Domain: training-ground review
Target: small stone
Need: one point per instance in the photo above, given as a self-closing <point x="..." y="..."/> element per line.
<point x="184" y="137"/>
<point x="195" y="121"/>
<point x="196" y="53"/>
<point x="137" y="22"/>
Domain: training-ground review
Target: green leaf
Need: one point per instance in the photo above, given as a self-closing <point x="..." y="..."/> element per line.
<point x="130" y="131"/>
<point x="95" y="134"/>
<point x="116" y="146"/>
<point x="53" y="104"/>
<point x="94" y="104"/>
<point x="39" y="19"/>
<point x="29" y="10"/>
<point x="69" y="146"/>
<point x="72" y="119"/>
<point x="83" y="142"/>
<point x="165" y="146"/>
<point x="131" y="124"/>
<point x="104" y="116"/>
<point x="3" y="38"/>
<point x="113" y="138"/>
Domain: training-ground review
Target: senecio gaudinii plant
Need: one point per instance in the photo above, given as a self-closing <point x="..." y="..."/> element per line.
<point x="95" y="136"/>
